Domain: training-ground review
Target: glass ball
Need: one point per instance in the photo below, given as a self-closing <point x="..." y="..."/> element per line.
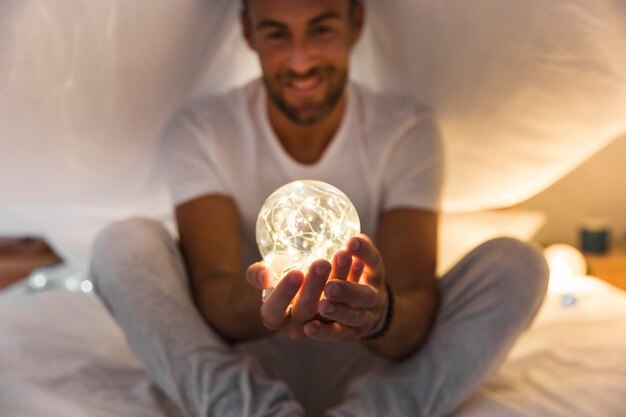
<point x="303" y="221"/>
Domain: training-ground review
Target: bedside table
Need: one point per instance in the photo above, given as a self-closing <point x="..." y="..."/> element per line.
<point x="610" y="267"/>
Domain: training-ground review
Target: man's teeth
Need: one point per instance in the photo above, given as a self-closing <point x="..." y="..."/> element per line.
<point x="304" y="84"/>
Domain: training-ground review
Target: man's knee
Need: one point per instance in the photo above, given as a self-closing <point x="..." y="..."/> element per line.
<point x="125" y="245"/>
<point x="129" y="237"/>
<point x="523" y="273"/>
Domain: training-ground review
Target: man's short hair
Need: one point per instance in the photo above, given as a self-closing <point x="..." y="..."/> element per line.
<point x="244" y="3"/>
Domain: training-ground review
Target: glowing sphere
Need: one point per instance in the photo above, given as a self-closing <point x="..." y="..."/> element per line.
<point x="303" y="221"/>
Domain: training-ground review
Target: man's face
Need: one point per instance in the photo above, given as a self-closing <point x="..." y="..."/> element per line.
<point x="303" y="47"/>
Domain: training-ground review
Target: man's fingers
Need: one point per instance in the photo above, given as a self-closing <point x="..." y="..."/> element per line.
<point x="342" y="263"/>
<point x="276" y="307"/>
<point x="330" y="332"/>
<point x="361" y="247"/>
<point x="305" y="305"/>
<point x="358" y="295"/>
<point x="258" y="276"/>
<point x="344" y="313"/>
<point x="356" y="270"/>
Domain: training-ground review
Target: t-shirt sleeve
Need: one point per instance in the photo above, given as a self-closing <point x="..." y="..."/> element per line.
<point x="190" y="159"/>
<point x="415" y="169"/>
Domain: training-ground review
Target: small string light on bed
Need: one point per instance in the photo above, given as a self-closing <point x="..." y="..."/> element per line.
<point x="303" y="221"/>
<point x="566" y="263"/>
<point x="59" y="277"/>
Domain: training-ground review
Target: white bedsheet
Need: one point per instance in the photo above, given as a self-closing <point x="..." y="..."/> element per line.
<point x="62" y="355"/>
<point x="572" y="362"/>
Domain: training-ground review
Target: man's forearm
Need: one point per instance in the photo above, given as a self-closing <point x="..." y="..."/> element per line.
<point x="411" y="320"/>
<point x="231" y="307"/>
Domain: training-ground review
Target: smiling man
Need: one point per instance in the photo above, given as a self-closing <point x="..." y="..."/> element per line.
<point x="371" y="332"/>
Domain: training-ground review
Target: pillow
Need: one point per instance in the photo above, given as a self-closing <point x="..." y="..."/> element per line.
<point x="460" y="233"/>
<point x="525" y="90"/>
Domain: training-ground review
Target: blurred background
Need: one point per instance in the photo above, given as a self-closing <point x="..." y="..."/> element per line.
<point x="533" y="113"/>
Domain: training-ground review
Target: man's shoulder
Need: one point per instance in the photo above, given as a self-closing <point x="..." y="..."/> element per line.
<point x="388" y="105"/>
<point x="229" y="104"/>
<point x="389" y="113"/>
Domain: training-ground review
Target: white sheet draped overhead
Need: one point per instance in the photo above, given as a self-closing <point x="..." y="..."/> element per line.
<point x="524" y="91"/>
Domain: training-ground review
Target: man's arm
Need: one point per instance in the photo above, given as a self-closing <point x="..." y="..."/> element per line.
<point x="210" y="237"/>
<point x="407" y="241"/>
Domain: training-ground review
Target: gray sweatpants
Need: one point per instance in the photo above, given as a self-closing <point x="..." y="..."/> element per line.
<point x="486" y="301"/>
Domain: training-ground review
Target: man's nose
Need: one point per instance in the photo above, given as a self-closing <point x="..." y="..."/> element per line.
<point x="301" y="57"/>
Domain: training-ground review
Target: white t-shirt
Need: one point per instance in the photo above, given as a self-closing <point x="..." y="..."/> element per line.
<point x="386" y="154"/>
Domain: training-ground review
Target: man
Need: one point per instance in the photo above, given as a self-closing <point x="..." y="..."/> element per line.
<point x="370" y="333"/>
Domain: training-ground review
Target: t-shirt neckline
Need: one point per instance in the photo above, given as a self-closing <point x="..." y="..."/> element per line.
<point x="333" y="146"/>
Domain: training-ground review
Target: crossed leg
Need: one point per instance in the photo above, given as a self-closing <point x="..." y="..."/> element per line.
<point x="139" y="274"/>
<point x="487" y="300"/>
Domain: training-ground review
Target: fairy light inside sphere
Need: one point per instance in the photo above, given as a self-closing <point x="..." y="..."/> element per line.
<point x="303" y="221"/>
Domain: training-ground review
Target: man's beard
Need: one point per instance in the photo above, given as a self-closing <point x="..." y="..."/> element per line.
<point x="310" y="112"/>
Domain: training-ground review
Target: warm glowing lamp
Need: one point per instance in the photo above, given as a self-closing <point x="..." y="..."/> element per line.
<point x="303" y="221"/>
<point x="566" y="263"/>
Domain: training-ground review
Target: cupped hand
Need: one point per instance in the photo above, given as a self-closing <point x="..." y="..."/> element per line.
<point x="354" y="301"/>
<point x="294" y="300"/>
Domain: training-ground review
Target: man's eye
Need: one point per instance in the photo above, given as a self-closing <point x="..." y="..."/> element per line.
<point x="276" y="36"/>
<point x="321" y="30"/>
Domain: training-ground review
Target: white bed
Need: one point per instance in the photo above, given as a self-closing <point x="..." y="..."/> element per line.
<point x="61" y="354"/>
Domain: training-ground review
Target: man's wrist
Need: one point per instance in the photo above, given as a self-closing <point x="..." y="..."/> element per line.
<point x="384" y="322"/>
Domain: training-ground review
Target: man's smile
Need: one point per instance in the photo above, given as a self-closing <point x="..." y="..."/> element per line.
<point x="305" y="85"/>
